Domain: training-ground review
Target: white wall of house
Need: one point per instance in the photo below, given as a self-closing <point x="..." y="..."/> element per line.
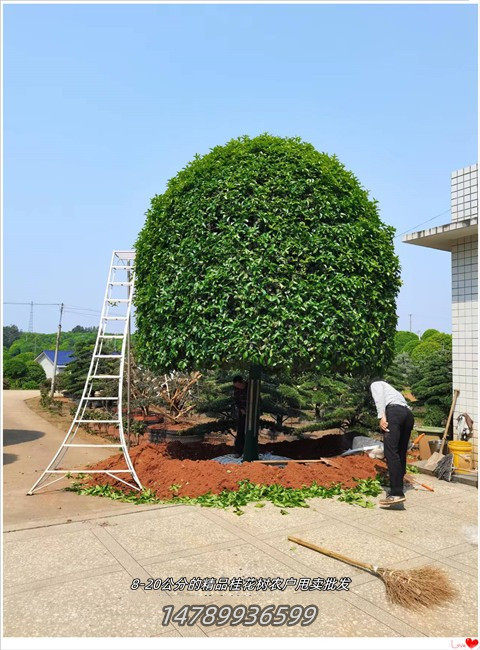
<point x="47" y="365"/>
<point x="465" y="298"/>
<point x="460" y="237"/>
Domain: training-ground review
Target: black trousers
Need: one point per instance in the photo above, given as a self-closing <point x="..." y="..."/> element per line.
<point x="240" y="437"/>
<point x="395" y="442"/>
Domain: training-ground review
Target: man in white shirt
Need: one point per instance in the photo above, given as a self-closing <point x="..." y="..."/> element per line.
<point x="396" y="421"/>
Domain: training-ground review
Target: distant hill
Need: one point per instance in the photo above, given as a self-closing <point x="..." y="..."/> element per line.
<point x="36" y="342"/>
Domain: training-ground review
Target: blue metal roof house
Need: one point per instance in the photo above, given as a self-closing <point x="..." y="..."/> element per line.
<point x="46" y="360"/>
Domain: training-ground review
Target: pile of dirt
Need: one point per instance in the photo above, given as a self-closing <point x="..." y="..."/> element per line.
<point x="191" y="470"/>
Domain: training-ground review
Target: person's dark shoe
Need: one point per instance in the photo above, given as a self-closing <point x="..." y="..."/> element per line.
<point x="391" y="500"/>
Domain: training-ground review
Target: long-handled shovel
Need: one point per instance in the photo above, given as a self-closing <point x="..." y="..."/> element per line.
<point x="426" y="586"/>
<point x="437" y="456"/>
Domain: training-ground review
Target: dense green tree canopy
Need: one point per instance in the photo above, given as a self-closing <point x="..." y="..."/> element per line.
<point x="432" y="383"/>
<point x="10" y="334"/>
<point x="437" y="341"/>
<point x="404" y="338"/>
<point x="428" y="333"/>
<point x="35" y="342"/>
<point x="23" y="372"/>
<point x="266" y="251"/>
<point x="399" y="373"/>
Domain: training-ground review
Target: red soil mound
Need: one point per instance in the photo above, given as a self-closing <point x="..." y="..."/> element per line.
<point x="159" y="466"/>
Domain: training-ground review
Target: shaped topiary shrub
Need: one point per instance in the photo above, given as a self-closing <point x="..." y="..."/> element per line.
<point x="265" y="252"/>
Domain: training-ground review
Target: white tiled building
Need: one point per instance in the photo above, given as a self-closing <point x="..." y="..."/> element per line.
<point x="460" y="237"/>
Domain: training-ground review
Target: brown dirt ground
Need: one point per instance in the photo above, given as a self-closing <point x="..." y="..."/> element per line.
<point x="62" y="419"/>
<point x="190" y="468"/>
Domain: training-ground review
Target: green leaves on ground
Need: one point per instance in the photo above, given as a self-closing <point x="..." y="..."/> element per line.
<point x="247" y="492"/>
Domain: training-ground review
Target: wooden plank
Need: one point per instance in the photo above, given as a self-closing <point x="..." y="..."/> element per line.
<point x="429" y="430"/>
<point x="284" y="462"/>
<point x="424" y="448"/>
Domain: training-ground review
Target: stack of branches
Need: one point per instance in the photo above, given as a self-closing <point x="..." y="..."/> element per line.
<point x="172" y="395"/>
<point x="177" y="395"/>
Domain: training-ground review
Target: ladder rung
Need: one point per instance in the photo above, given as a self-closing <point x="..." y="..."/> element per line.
<point x="120" y="284"/>
<point x="114" y="317"/>
<point x="118" y="300"/>
<point x="108" y="356"/>
<point x="111" y="336"/>
<point x="121" y="267"/>
<point x="104" y="376"/>
<point x="100" y="421"/>
<point x="125" y="255"/>
<point x="98" y="399"/>
<point x="88" y="471"/>
<point x="84" y="445"/>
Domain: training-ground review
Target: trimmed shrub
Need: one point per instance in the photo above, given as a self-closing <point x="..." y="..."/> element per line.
<point x="399" y="373"/>
<point x="404" y="338"/>
<point x="428" y="333"/>
<point x="434" y="416"/>
<point x="23" y="372"/>
<point x="265" y="251"/>
<point x="410" y="346"/>
<point x="436" y="342"/>
<point x="432" y="380"/>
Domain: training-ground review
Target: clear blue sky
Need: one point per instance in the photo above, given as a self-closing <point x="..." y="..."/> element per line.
<point x="104" y="103"/>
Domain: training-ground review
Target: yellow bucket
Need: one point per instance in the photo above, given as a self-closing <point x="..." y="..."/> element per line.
<point x="462" y="455"/>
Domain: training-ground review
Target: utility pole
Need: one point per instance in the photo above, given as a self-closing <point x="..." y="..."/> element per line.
<point x="410" y="317"/>
<point x="55" y="358"/>
<point x="30" y="329"/>
<point x="30" y="320"/>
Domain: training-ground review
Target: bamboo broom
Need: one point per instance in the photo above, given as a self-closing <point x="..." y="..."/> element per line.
<point x="412" y="481"/>
<point x="426" y="586"/>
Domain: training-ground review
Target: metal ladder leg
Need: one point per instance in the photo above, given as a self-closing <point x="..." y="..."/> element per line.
<point x="121" y="261"/>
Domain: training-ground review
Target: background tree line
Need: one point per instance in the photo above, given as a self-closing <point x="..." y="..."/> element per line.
<point x="422" y="366"/>
<point x="422" y="369"/>
<point x="20" y="349"/>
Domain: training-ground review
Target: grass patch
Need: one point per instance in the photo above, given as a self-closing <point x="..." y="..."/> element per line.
<point x="247" y="492"/>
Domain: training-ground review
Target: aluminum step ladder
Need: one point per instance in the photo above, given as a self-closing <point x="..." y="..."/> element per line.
<point x="116" y="311"/>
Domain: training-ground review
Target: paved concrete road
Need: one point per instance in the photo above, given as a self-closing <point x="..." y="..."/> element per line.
<point x="74" y="579"/>
<point x="29" y="444"/>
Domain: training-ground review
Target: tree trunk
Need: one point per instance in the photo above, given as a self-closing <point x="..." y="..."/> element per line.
<point x="250" y="450"/>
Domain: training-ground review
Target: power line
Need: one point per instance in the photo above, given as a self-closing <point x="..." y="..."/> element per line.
<point x="51" y="304"/>
<point x="78" y="312"/>
<point x="36" y="304"/>
<point x="96" y="311"/>
<point x="440" y="214"/>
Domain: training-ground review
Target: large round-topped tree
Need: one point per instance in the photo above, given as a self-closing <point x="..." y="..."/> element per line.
<point x="265" y="253"/>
